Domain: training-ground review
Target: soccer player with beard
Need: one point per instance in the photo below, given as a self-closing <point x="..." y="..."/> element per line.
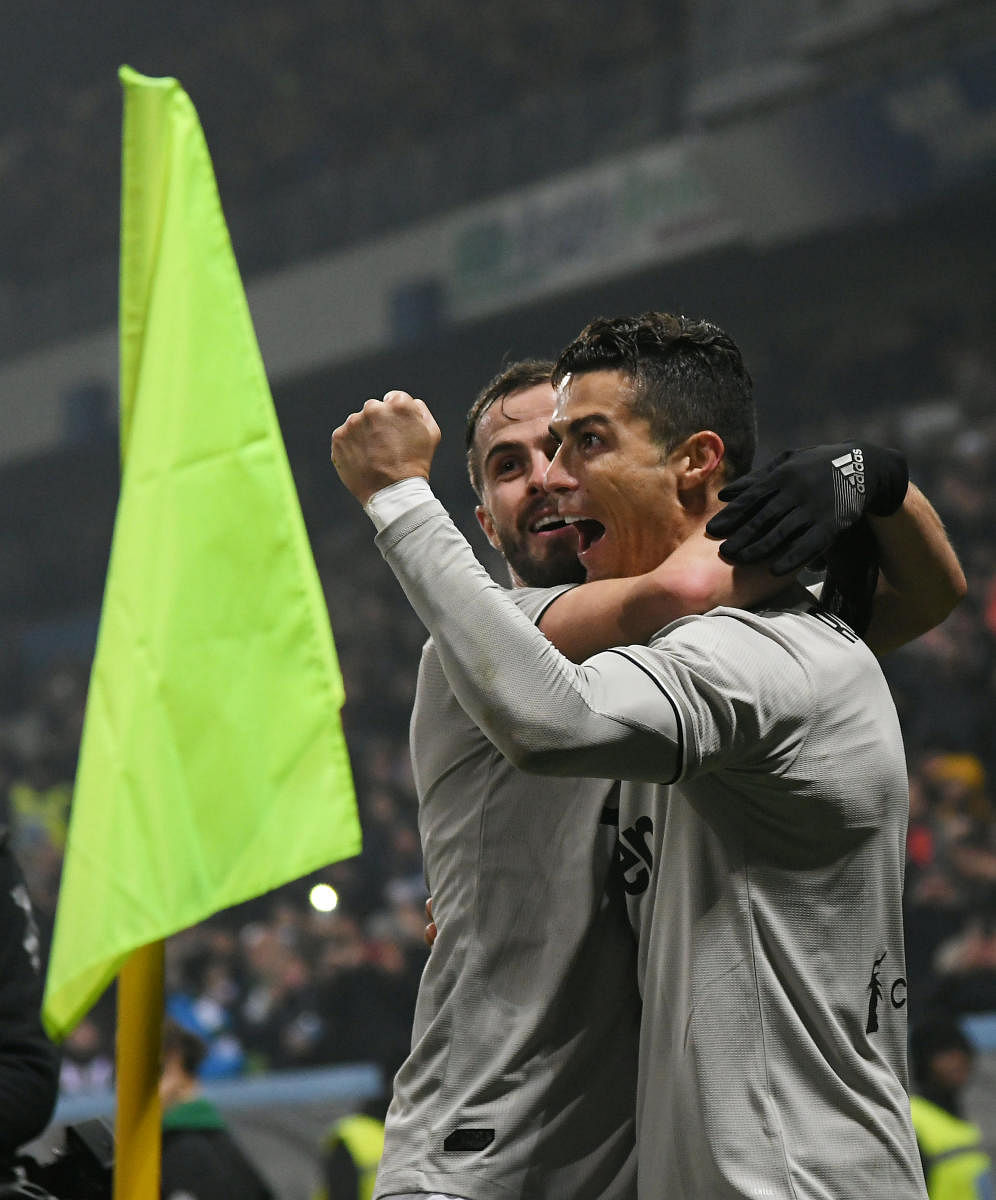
<point x="522" y="1076"/>
<point x="522" y="1073"/>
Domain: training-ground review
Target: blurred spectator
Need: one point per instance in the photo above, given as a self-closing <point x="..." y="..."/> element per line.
<point x="202" y="1001"/>
<point x="87" y="1062"/>
<point x="351" y="1153"/>
<point x="29" y="1070"/>
<point x="39" y="803"/>
<point x="201" y="1160"/>
<point x="288" y="97"/>
<point x="955" y="1165"/>
<point x="966" y="965"/>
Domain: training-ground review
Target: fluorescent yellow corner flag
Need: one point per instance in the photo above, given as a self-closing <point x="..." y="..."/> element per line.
<point x="212" y="766"/>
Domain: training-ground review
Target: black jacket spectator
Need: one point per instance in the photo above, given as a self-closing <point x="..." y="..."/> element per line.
<point x="29" y="1064"/>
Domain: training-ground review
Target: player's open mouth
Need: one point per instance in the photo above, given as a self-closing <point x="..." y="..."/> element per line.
<point x="589" y="531"/>
<point x="551" y="523"/>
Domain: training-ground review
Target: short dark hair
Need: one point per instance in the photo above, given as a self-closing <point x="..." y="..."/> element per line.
<point x="516" y="377"/>
<point x="689" y="375"/>
<point x="191" y="1048"/>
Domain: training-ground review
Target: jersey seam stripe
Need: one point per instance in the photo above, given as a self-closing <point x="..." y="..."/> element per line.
<point x="551" y="601"/>
<point x="761" y="1023"/>
<point x="670" y="699"/>
<point x="435" y="1134"/>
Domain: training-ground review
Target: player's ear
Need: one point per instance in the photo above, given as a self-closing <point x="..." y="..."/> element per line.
<point x="699" y="458"/>
<point x="486" y="523"/>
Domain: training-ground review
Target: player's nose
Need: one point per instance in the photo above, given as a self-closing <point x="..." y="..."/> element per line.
<point x="538" y="464"/>
<point x="558" y="477"/>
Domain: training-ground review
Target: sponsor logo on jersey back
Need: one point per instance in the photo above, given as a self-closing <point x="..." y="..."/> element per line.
<point x="877" y="993"/>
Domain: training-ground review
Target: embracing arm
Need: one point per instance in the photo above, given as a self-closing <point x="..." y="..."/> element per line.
<point x="795" y="509"/>
<point x="627" y="612"/>
<point x="921" y="579"/>
<point x="920" y="582"/>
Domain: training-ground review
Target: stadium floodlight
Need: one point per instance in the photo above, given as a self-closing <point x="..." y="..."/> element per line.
<point x="323" y="898"/>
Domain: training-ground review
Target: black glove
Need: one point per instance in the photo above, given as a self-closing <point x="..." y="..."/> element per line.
<point x="852" y="575"/>
<point x="792" y="510"/>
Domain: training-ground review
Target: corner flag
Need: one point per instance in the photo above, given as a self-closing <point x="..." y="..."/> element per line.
<point x="212" y="766"/>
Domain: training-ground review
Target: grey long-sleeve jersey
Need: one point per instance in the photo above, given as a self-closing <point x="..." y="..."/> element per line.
<point x="763" y="820"/>
<point x="521" y="1080"/>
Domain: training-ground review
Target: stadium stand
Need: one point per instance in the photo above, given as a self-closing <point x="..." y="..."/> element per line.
<point x="331" y="124"/>
<point x="273" y="983"/>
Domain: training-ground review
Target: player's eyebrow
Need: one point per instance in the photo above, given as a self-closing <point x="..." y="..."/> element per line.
<point x="499" y="448"/>
<point x="579" y="423"/>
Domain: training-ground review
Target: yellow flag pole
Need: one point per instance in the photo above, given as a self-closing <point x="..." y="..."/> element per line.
<point x="138" y="1124"/>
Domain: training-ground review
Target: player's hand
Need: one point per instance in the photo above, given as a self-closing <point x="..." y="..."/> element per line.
<point x="792" y="510"/>
<point x="430" y="924"/>
<point x="388" y="440"/>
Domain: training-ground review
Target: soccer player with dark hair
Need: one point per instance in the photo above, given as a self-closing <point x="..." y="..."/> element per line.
<point x="522" y="1075"/>
<point x="764" y="801"/>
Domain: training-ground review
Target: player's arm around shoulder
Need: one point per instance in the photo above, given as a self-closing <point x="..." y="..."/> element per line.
<point x="694" y="579"/>
<point x="797" y="507"/>
<point x="921" y="578"/>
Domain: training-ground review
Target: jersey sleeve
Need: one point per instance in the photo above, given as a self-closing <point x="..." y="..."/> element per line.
<point x="608" y="718"/>
<point x="532" y="601"/>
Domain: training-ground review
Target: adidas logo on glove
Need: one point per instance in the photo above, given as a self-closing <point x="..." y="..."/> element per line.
<point x="852" y="467"/>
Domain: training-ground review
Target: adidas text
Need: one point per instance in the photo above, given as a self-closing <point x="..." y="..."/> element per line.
<point x="852" y="466"/>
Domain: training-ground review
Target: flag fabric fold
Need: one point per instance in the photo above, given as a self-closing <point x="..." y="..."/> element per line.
<point x="213" y="765"/>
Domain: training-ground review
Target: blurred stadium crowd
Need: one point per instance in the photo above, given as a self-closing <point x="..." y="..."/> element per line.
<point x="340" y="115"/>
<point x="306" y="93"/>
<point x="277" y="984"/>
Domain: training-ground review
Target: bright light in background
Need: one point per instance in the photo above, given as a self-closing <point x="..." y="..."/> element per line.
<point x="323" y="897"/>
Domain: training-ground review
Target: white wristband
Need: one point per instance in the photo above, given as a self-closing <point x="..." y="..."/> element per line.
<point x="396" y="499"/>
